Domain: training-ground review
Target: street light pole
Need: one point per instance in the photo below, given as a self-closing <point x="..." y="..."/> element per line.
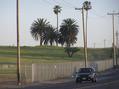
<point x="18" y="45"/>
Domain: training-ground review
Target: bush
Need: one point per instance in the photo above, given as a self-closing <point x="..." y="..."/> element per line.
<point x="71" y="50"/>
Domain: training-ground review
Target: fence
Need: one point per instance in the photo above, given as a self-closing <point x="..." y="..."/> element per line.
<point x="7" y="68"/>
<point x="42" y="72"/>
<point x="50" y="71"/>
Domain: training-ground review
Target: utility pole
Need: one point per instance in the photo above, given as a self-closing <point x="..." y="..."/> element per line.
<point x="86" y="6"/>
<point x="117" y="35"/>
<point x="114" y="48"/>
<point x="18" y="45"/>
<point x="94" y="45"/>
<point x="84" y="37"/>
<point x="104" y="43"/>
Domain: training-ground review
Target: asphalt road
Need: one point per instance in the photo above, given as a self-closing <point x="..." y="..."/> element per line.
<point x="106" y="80"/>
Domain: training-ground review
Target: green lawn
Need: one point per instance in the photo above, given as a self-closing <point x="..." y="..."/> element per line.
<point x="50" y="54"/>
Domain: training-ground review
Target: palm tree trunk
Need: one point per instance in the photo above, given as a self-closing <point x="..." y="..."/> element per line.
<point x="41" y="40"/>
<point x="50" y="43"/>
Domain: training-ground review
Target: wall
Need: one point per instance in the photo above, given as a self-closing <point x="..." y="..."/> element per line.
<point x="51" y="71"/>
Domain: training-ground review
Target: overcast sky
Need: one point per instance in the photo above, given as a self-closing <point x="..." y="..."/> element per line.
<point x="99" y="23"/>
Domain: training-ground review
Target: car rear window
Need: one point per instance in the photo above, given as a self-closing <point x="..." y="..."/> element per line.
<point x="85" y="70"/>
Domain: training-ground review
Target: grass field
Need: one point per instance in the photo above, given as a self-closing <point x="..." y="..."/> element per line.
<point x="50" y="54"/>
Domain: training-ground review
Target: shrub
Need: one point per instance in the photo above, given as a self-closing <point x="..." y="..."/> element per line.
<point x="71" y="50"/>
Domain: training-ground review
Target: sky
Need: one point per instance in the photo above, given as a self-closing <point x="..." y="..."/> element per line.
<point x="99" y="23"/>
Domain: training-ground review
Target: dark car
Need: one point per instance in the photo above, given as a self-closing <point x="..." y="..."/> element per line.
<point x="86" y="74"/>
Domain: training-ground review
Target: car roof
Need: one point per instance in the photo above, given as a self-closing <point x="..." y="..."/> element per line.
<point x="86" y="68"/>
<point x="91" y="69"/>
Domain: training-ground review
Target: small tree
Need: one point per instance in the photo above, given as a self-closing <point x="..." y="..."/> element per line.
<point x="71" y="50"/>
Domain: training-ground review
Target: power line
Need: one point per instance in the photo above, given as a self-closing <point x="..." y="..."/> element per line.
<point x="57" y="2"/>
<point x="47" y="2"/>
<point x="97" y="14"/>
<point x="63" y="4"/>
<point x="69" y="4"/>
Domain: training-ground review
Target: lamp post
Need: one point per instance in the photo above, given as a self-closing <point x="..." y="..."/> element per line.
<point x="18" y="45"/>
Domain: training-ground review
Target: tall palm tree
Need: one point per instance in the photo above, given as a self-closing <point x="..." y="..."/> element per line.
<point x="57" y="9"/>
<point x="37" y="29"/>
<point x="69" y="31"/>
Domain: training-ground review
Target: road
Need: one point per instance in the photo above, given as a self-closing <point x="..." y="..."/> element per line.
<point x="106" y="80"/>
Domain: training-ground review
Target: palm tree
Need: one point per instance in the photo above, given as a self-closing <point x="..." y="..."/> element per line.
<point x="37" y="29"/>
<point x="68" y="31"/>
<point x="57" y="9"/>
<point x="49" y="35"/>
<point x="61" y="40"/>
